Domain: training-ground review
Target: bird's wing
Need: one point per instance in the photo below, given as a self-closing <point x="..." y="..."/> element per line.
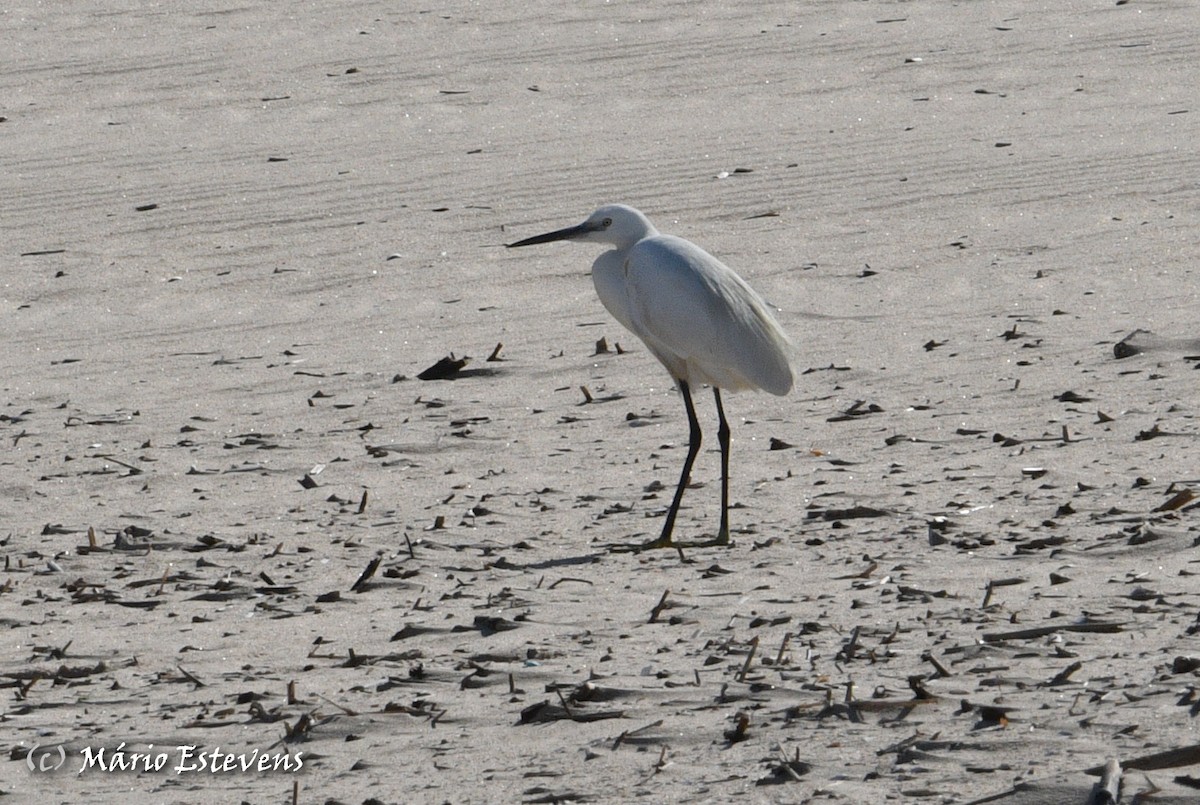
<point x="687" y="303"/>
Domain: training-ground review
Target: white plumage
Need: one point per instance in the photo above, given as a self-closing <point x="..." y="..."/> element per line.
<point x="694" y="313"/>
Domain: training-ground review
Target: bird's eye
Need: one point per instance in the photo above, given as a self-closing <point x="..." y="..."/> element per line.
<point x="606" y="223"/>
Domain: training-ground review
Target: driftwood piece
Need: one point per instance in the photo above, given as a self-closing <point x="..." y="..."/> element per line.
<point x="1108" y="789"/>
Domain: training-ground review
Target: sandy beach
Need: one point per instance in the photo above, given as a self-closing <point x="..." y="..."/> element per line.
<point x="237" y="526"/>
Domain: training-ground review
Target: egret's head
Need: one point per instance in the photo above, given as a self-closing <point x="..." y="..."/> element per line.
<point x="614" y="224"/>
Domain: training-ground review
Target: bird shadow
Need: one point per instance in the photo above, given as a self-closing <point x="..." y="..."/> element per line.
<point x="564" y="561"/>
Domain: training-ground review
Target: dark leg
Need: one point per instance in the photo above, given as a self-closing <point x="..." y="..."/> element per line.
<point x="694" y="437"/>
<point x="723" y="438"/>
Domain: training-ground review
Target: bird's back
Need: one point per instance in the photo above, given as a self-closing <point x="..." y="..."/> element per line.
<point x="702" y="320"/>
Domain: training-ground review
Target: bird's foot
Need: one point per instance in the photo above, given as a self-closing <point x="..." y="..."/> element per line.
<point x="721" y="540"/>
<point x="638" y="547"/>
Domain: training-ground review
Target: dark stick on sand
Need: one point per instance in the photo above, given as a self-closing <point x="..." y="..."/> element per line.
<point x="366" y="575"/>
<point x="741" y="677"/>
<point x="659" y="607"/>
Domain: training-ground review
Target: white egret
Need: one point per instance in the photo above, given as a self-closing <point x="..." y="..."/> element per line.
<point x="698" y="317"/>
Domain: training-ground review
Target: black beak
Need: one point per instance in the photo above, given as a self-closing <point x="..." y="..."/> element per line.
<point x="558" y="234"/>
